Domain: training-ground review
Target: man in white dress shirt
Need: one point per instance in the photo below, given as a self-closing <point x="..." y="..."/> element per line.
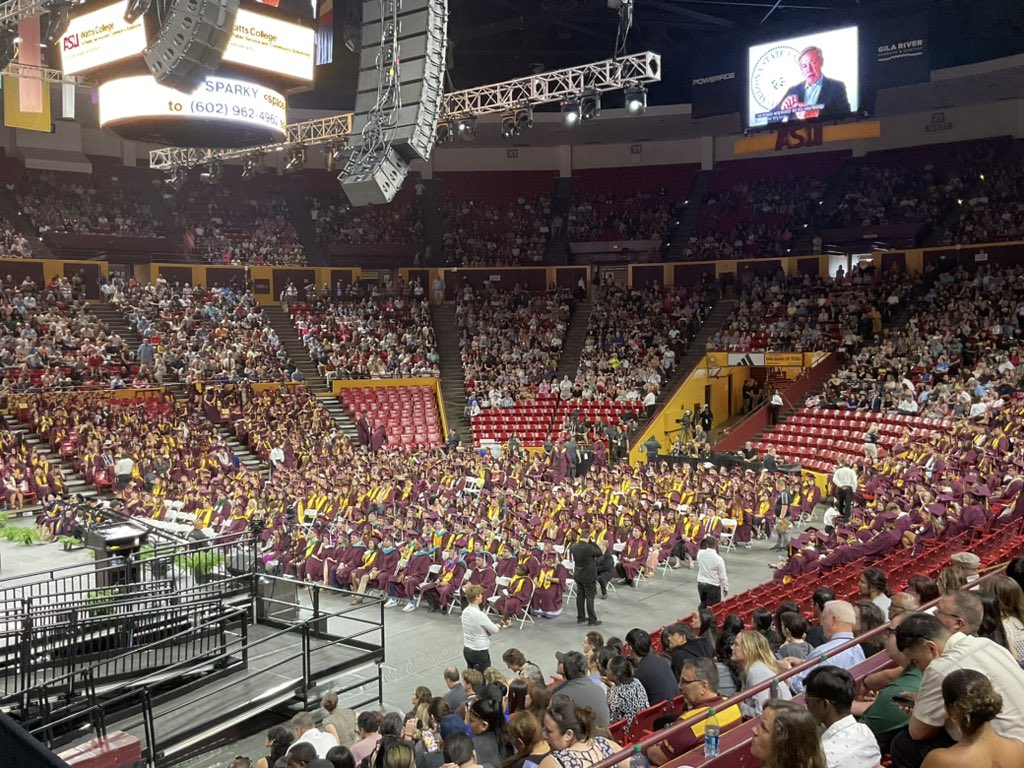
<point x="712" y="579"/>
<point x="829" y="693"/>
<point x="845" y="481"/>
<point x="307" y="732"/>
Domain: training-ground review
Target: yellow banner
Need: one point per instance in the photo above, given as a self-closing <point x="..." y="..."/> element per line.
<point x="784" y="359"/>
<point x="14" y="117"/>
<point x="793" y="136"/>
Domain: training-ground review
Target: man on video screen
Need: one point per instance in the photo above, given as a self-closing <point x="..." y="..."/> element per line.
<point x="816" y="89"/>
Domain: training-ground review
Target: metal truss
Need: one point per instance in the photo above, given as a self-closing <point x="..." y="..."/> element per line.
<point x="14" y="11"/>
<point x="306" y="134"/>
<point x="45" y="74"/>
<point x="600" y="76"/>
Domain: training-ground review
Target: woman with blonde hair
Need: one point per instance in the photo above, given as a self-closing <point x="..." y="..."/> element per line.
<point x="951" y="578"/>
<point x="972" y="703"/>
<point x="752" y="652"/>
<point x="1010" y="598"/>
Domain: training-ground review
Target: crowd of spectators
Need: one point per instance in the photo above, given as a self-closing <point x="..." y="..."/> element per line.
<point x="754" y="218"/>
<point x="488" y="234"/>
<point x="361" y="333"/>
<point x="510" y="342"/>
<point x="993" y="210"/>
<point x="890" y="194"/>
<point x="634" y="339"/>
<point x="807" y="312"/>
<point x="192" y="334"/>
<point x="603" y="216"/>
<point x="958" y="354"/>
<point x="13" y="244"/>
<point x="335" y="221"/>
<point x="52" y="340"/>
<point x="227" y="224"/>
<point x="71" y="203"/>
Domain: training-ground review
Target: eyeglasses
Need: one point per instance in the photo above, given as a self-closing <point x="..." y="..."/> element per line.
<point x="690" y="682"/>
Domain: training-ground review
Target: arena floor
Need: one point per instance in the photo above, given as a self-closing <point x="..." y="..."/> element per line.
<point x="420" y="645"/>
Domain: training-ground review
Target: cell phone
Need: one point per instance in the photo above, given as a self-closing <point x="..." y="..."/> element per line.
<point x="903" y="700"/>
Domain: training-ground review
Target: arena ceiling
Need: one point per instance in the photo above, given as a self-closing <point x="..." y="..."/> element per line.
<point x="495" y="40"/>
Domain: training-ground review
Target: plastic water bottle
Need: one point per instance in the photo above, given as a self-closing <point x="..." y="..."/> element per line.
<point x="711" y="734"/>
<point x="773" y="692"/>
<point x="638" y="760"/>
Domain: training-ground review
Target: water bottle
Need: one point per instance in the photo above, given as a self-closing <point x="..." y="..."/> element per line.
<point x="638" y="760"/>
<point x="711" y="734"/>
<point x="773" y="692"/>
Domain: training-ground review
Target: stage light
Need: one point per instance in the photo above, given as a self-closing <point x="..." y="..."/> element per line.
<point x="212" y="173"/>
<point x="524" y="118"/>
<point x="177" y="178"/>
<point x="590" y="106"/>
<point x="570" y="113"/>
<point x="508" y="126"/>
<point x="444" y="133"/>
<point x="250" y="166"/>
<point x="636" y="100"/>
<point x="295" y="160"/>
<point x="136" y="10"/>
<point x="8" y="46"/>
<point x="56" y="20"/>
<point x="466" y="128"/>
<point x="334" y="154"/>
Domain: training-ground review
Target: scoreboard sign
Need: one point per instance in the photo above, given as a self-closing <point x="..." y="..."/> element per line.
<point x="218" y="98"/>
<point x="102" y="37"/>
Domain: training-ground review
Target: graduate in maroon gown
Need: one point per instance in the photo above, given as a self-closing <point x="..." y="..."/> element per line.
<point x="515" y="598"/>
<point x="631" y="558"/>
<point x="438" y="593"/>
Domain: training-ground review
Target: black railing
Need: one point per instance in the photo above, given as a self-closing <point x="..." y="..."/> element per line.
<point x="296" y="667"/>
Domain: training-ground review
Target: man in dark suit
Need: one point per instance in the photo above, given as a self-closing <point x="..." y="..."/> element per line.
<point x="815" y="89"/>
<point x="585" y="554"/>
<point x="572" y="455"/>
<point x="363" y="428"/>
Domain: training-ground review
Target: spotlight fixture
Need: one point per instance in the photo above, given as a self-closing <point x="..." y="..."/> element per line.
<point x="212" y="173"/>
<point x="136" y="9"/>
<point x="508" y="126"/>
<point x="334" y="154"/>
<point x="177" y="178"/>
<point x="636" y="99"/>
<point x="8" y="46"/>
<point x="295" y="159"/>
<point x="250" y="166"/>
<point x="590" y="106"/>
<point x="445" y="135"/>
<point x="56" y="20"/>
<point x="571" y="113"/>
<point x="524" y="118"/>
<point x="466" y="128"/>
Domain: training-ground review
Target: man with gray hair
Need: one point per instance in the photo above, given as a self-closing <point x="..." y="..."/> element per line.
<point x="960" y="611"/>
<point x="306" y="732"/>
<point x="837" y="621"/>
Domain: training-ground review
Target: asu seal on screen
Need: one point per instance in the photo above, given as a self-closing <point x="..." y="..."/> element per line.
<point x="771" y="74"/>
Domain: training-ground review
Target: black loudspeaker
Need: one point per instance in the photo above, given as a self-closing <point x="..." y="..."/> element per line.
<point x="190" y="44"/>
<point x="422" y="36"/>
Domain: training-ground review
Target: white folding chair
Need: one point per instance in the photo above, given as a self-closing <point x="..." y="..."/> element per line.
<point x="430" y="579"/>
<point x="500" y="584"/>
<point x="726" y="539"/>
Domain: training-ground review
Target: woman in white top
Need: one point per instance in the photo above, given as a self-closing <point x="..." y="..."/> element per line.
<point x="1011" y="609"/>
<point x="754" y="655"/>
<point x="476" y="630"/>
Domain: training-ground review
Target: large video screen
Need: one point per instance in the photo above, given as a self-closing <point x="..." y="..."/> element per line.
<point x="102" y="36"/>
<point x="802" y="78"/>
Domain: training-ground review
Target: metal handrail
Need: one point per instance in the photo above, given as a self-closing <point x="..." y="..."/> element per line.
<point x="812" y="661"/>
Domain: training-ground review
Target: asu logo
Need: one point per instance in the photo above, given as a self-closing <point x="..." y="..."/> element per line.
<point x="71" y="42"/>
<point x="795" y="136"/>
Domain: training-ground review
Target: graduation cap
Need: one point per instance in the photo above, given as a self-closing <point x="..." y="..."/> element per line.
<point x="980" y="490"/>
<point x="938" y="510"/>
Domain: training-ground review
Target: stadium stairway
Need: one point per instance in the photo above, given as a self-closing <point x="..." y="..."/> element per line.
<point x="715" y="321"/>
<point x="340" y="416"/>
<point x="561" y="204"/>
<point x="75" y="483"/>
<point x="282" y="323"/>
<point x="433" y="221"/>
<point x="575" y="338"/>
<point x="115" y="321"/>
<point x="298" y="212"/>
<point x="680" y="236"/>
<point x="11" y="211"/>
<point x="453" y="381"/>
